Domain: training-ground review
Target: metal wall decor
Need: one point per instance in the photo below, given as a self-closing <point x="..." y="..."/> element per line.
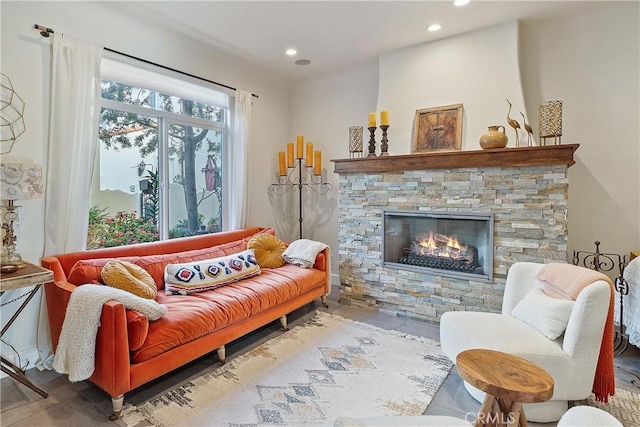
<point x="602" y="262"/>
<point x="550" y="122"/>
<point x="11" y="115"/>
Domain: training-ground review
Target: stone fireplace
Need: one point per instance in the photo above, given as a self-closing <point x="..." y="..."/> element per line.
<point x="450" y="244"/>
<point x="524" y="190"/>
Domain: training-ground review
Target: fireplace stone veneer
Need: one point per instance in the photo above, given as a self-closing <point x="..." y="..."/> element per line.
<point x="529" y="208"/>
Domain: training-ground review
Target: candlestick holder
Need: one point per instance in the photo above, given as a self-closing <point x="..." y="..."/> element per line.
<point x="384" y="146"/>
<point x="298" y="178"/>
<point x="372" y="141"/>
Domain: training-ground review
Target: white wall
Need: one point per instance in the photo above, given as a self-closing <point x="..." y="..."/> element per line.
<point x="25" y="58"/>
<point x="477" y="69"/>
<point x="322" y="111"/>
<point x="592" y="63"/>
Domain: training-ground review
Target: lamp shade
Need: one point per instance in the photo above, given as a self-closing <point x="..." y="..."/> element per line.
<point x="20" y="181"/>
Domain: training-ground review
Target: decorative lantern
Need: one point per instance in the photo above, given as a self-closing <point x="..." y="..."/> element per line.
<point x="550" y="121"/>
<point x="355" y="141"/>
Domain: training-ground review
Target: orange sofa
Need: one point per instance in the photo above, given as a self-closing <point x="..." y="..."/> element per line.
<point x="131" y="351"/>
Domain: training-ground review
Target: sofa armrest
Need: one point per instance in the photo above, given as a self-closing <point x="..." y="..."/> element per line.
<point x="321" y="260"/>
<point x="57" y="294"/>
<point x="52" y="263"/>
<point x="112" y="365"/>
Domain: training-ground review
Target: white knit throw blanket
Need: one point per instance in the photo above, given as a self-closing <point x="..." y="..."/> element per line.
<point x="303" y="253"/>
<point x="76" y="352"/>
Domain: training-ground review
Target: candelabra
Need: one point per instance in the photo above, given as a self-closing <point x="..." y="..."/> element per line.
<point x="301" y="178"/>
<point x="607" y="262"/>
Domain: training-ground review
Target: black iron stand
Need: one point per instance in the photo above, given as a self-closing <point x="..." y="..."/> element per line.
<point x="606" y="262"/>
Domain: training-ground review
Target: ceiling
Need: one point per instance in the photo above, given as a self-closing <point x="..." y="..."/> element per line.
<point x="334" y="35"/>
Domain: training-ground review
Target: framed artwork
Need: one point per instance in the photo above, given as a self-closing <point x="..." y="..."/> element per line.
<point x="438" y="129"/>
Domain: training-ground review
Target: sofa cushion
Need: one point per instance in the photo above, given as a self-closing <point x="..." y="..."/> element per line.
<point x="200" y="276"/>
<point x="88" y="271"/>
<point x="268" y="250"/>
<point x="129" y="277"/>
<point x="137" y="329"/>
<point x="547" y="314"/>
<point x="192" y="316"/>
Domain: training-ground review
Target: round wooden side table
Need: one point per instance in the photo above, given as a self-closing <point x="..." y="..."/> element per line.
<point x="508" y="380"/>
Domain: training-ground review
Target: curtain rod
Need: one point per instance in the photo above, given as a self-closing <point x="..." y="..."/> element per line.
<point x="46" y="31"/>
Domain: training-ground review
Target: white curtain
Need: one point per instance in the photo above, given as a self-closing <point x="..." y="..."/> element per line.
<point x="239" y="160"/>
<point x="72" y="145"/>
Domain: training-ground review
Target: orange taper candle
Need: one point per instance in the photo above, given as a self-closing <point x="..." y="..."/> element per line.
<point x="309" y="154"/>
<point x="282" y="168"/>
<point x="290" y="155"/>
<point x="317" y="164"/>
<point x="300" y="153"/>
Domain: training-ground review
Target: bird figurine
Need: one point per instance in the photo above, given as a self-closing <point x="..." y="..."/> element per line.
<point x="514" y="124"/>
<point x="529" y="130"/>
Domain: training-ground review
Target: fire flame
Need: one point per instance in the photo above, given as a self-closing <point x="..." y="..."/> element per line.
<point x="429" y="244"/>
<point x="449" y="247"/>
<point x="453" y="243"/>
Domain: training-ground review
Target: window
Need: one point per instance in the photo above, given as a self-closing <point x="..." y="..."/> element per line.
<point x="159" y="169"/>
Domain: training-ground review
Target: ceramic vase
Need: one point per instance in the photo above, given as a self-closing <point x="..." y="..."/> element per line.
<point x="494" y="138"/>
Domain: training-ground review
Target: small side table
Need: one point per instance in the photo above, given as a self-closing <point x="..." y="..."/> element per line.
<point x="29" y="275"/>
<point x="508" y="380"/>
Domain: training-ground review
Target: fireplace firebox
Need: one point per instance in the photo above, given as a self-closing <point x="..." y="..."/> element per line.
<point x="441" y="243"/>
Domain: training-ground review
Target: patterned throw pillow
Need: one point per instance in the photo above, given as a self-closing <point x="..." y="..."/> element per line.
<point x="268" y="250"/>
<point x="129" y="277"/>
<point x="199" y="276"/>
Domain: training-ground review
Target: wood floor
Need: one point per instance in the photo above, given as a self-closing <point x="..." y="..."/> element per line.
<point x="83" y="404"/>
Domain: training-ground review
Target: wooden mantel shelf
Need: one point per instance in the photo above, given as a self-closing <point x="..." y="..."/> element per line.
<point x="520" y="156"/>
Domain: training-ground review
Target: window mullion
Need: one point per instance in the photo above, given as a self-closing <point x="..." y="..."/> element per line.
<point x="163" y="176"/>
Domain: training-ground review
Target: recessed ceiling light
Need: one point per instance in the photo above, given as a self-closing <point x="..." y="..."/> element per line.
<point x="460" y="2"/>
<point x="434" y="27"/>
<point x="302" y="62"/>
<point x="291" y="52"/>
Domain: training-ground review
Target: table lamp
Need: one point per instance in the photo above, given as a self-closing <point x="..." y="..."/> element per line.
<point x="19" y="182"/>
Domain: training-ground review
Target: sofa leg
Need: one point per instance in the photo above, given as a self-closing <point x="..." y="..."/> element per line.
<point x="283" y="322"/>
<point x="116" y="404"/>
<point x="323" y="298"/>
<point x="221" y="355"/>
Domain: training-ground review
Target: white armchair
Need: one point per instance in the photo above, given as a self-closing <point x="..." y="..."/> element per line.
<point x="571" y="359"/>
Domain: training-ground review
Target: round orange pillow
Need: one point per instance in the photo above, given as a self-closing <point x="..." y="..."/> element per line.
<point x="129" y="277"/>
<point x="268" y="250"/>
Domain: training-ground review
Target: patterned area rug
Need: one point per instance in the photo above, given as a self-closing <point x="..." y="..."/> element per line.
<point x="325" y="368"/>
<point x="624" y="405"/>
